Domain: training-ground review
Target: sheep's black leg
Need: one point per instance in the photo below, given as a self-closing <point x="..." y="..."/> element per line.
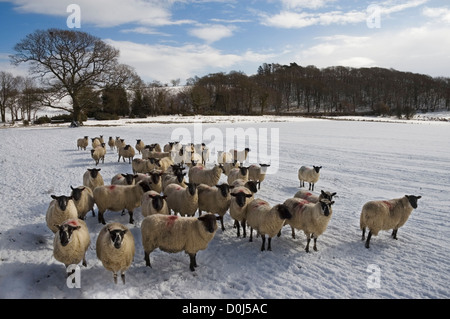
<point x="251" y="234"/>
<point x="101" y="219"/>
<point x="93" y="213"/>
<point x="363" y="233"/>
<point x="147" y="259"/>
<point x="221" y="222"/>
<point x="263" y="246"/>
<point x="307" y="244"/>
<point x="368" y="239"/>
<point x="315" y="244"/>
<point x="123" y="278"/>
<point x="293" y="232"/>
<point x="269" y="244"/>
<point x="115" y="278"/>
<point x="193" y="262"/>
<point x="243" y="229"/>
<point x="131" y="217"/>
<point x="394" y="234"/>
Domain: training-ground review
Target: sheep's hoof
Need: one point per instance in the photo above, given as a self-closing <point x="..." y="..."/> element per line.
<point x="367" y="245"/>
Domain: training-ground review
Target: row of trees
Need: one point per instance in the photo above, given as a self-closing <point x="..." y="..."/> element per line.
<point x="80" y="74"/>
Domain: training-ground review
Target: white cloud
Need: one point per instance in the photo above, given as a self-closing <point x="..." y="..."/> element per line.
<point x="438" y="14"/>
<point x="212" y="33"/>
<point x="309" y="4"/>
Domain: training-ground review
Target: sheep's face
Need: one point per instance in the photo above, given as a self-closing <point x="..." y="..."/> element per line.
<point x="317" y="168"/>
<point x="62" y="201"/>
<point x="326" y="206"/>
<point x="65" y="233"/>
<point x="129" y="178"/>
<point x="158" y="201"/>
<point x="413" y="200"/>
<point x="209" y="222"/>
<point x="76" y="193"/>
<point x="192" y="188"/>
<point x="252" y="186"/>
<point x="94" y="172"/>
<point x="328" y="195"/>
<point x="283" y="211"/>
<point x="155" y="177"/>
<point x="244" y="170"/>
<point x="116" y="236"/>
<point x="145" y="185"/>
<point x="224" y="189"/>
<point x="241" y="198"/>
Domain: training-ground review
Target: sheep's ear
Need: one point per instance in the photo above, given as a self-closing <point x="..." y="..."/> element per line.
<point x="233" y="194"/>
<point x="248" y="195"/>
<point x="53" y="196"/>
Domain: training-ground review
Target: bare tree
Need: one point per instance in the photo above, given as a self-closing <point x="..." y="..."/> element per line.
<point x="68" y="62"/>
<point x="8" y="93"/>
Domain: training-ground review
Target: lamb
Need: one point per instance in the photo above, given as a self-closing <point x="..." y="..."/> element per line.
<point x="240" y="156"/>
<point x="214" y="199"/>
<point x="118" y="197"/>
<point x="310" y="175"/>
<point x="83" y="198"/>
<point x="60" y="209"/>
<point x="140" y="145"/>
<point x="312" y="198"/>
<point x="111" y="143"/>
<point x="266" y="220"/>
<point x="201" y="175"/>
<point x="312" y="218"/>
<point x="385" y="215"/>
<point x="240" y="197"/>
<point x="182" y="200"/>
<point x="71" y="242"/>
<point x="174" y="234"/>
<point x="115" y="248"/>
<point x="82" y="143"/>
<point x="126" y="152"/>
<point x="144" y="165"/>
<point x="98" y="154"/>
<point x="238" y="173"/>
<point x="92" y="178"/>
<point x="153" y="203"/>
<point x="257" y="173"/>
<point x="124" y="179"/>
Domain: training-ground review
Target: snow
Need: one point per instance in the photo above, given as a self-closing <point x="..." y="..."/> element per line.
<point x="361" y="161"/>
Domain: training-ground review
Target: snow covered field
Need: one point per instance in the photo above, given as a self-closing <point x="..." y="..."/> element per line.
<point x="361" y="161"/>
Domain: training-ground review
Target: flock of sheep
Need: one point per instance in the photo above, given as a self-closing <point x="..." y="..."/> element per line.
<point x="159" y="187"/>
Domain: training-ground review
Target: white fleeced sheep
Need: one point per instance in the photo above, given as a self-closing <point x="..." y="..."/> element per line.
<point x="266" y="220"/>
<point x="172" y="146"/>
<point x="240" y="156"/>
<point x="238" y="173"/>
<point x="115" y="248"/>
<point x="60" y="209"/>
<point x="140" y="145"/>
<point x="224" y="157"/>
<point x="214" y="199"/>
<point x="155" y="180"/>
<point x="240" y="197"/>
<point x="96" y="142"/>
<point x="312" y="218"/>
<point x="119" y="142"/>
<point x="145" y="165"/>
<point x="98" y="154"/>
<point x="154" y="203"/>
<point x="310" y="175"/>
<point x="385" y="215"/>
<point x="251" y="185"/>
<point x="83" y="143"/>
<point x="118" y="197"/>
<point x="71" y="242"/>
<point x="126" y="152"/>
<point x="83" y="198"/>
<point x="313" y="198"/>
<point x="201" y="175"/>
<point x="174" y="234"/>
<point x="182" y="200"/>
<point x="177" y="178"/>
<point x="227" y="167"/>
<point x="257" y="173"/>
<point x="92" y="178"/>
<point x="124" y="179"/>
<point x="165" y="163"/>
<point x="111" y="143"/>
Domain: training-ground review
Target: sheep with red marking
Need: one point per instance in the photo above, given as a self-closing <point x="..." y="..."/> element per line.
<point x="313" y="198"/>
<point x="182" y="200"/>
<point x="71" y="242"/>
<point x="266" y="220"/>
<point x="154" y="203"/>
<point x="310" y="175"/>
<point x="119" y="197"/>
<point x="201" y="175"/>
<point x="124" y="179"/>
<point x="60" y="209"/>
<point x="115" y="248"/>
<point x="386" y="214"/>
<point x="83" y="198"/>
<point x="214" y="199"/>
<point x="92" y="178"/>
<point x="312" y="218"/>
<point x="174" y="234"/>
<point x="240" y="197"/>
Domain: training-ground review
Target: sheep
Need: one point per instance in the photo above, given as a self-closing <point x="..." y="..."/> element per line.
<point x="201" y="175"/>
<point x="155" y="180"/>
<point x="118" y="197"/>
<point x="82" y="143"/>
<point x="140" y="145"/>
<point x="312" y="218"/>
<point x="238" y="173"/>
<point x="266" y="220"/>
<point x="227" y="167"/>
<point x="171" y="146"/>
<point x="251" y="185"/>
<point x="310" y="175"/>
<point x="224" y="157"/>
<point x="115" y="248"/>
<point x="60" y="209"/>
<point x="126" y="152"/>
<point x="165" y="163"/>
<point x="174" y="234"/>
<point x="385" y="215"/>
<point x="92" y="178"/>
<point x="257" y="173"/>
<point x="214" y="199"/>
<point x="119" y="143"/>
<point x="153" y="203"/>
<point x="111" y="143"/>
<point x="177" y="178"/>
<point x="71" y="242"/>
<point x="312" y="198"/>
<point x="182" y="200"/>
<point x="144" y="165"/>
<point x="83" y="198"/>
<point x="240" y="197"/>
<point x="202" y="152"/>
<point x="240" y="156"/>
<point x="98" y="154"/>
<point x="96" y="142"/>
<point x="124" y="179"/>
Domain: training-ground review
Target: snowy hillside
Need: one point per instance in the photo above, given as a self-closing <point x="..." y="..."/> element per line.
<point x="361" y="161"/>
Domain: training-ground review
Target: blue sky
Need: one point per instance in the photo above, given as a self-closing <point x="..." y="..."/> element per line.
<point x="178" y="39"/>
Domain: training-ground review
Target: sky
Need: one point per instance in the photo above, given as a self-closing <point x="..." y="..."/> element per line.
<point x="180" y="39"/>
